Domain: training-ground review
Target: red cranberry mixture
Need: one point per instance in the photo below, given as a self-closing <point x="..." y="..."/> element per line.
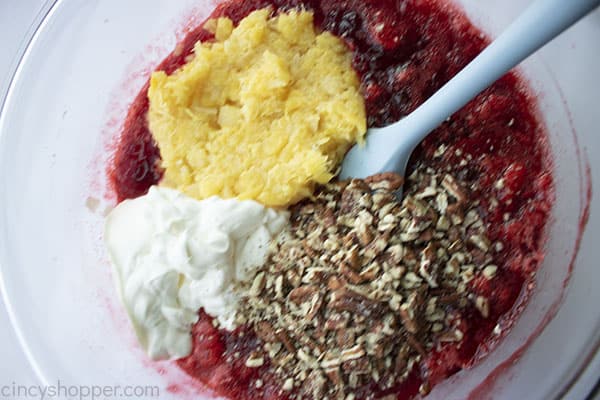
<point x="404" y="50"/>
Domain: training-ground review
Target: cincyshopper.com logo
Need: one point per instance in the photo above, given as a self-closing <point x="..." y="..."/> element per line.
<point x="61" y="391"/>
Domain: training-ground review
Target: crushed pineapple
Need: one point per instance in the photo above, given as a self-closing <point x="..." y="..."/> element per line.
<point x="264" y="112"/>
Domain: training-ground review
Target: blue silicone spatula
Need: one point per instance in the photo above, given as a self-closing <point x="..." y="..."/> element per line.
<point x="388" y="149"/>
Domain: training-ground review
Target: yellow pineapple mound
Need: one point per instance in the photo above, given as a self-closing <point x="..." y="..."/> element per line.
<point x="264" y="112"/>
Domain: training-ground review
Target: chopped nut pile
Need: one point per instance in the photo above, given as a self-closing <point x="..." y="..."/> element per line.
<point x="362" y="287"/>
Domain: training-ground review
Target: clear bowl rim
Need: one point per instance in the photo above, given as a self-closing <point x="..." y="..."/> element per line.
<point x="591" y="352"/>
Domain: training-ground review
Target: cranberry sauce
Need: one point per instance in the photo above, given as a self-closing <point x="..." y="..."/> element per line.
<point x="403" y="51"/>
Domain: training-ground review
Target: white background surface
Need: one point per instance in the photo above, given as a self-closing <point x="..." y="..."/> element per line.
<point x="15" y="20"/>
<point x="16" y="17"/>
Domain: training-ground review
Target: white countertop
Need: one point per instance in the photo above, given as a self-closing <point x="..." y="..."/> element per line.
<point x="16" y="17"/>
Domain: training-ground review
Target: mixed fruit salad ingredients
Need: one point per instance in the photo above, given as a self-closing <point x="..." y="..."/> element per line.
<point x="263" y="112"/>
<point x="361" y="294"/>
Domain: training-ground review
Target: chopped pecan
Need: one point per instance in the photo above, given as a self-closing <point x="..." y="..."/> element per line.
<point x="377" y="246"/>
<point x="407" y="316"/>
<point x="450" y="299"/>
<point x="334" y="375"/>
<point x="417" y="208"/>
<point x="416" y="345"/>
<point x="286" y="341"/>
<point x="264" y="330"/>
<point x="353" y="258"/>
<point x="401" y="360"/>
<point x="313" y="386"/>
<point x="364" y="234"/>
<point x="388" y="181"/>
<point x="371" y="272"/>
<point x="309" y="250"/>
<point x="335" y="283"/>
<point x="350" y="239"/>
<point x="302" y="294"/>
<point x="328" y="217"/>
<point x="315" y="306"/>
<point x="352" y="353"/>
<point x="350" y="275"/>
<point x="483" y="306"/>
<point x="454" y="188"/>
<point x="337" y="321"/>
<point x="345" y="338"/>
<point x="344" y="299"/>
<point x="359" y="366"/>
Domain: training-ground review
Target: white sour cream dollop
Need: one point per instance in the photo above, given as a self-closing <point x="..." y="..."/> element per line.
<point x="172" y="255"/>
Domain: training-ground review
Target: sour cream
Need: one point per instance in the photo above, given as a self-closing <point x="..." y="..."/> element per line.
<point x="172" y="255"/>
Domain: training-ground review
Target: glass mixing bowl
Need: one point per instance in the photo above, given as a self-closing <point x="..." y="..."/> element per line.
<point x="85" y="63"/>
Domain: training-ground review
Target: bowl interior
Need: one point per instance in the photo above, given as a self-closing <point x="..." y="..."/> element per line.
<point x="69" y="96"/>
